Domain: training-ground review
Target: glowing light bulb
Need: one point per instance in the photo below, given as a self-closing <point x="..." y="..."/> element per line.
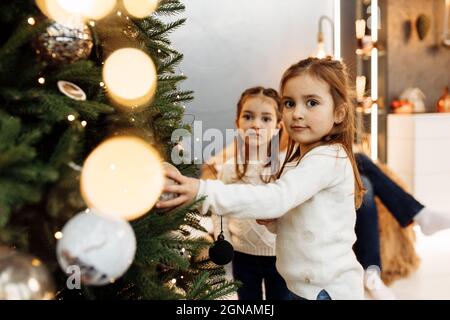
<point x="140" y="8"/>
<point x="123" y="177"/>
<point x="130" y="76"/>
<point x="321" y="53"/>
<point x="360" y="28"/>
<point x="360" y="88"/>
<point x="93" y="9"/>
<point x="70" y="12"/>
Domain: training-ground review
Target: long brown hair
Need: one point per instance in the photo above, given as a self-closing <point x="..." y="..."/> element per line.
<point x="251" y="93"/>
<point x="335" y="74"/>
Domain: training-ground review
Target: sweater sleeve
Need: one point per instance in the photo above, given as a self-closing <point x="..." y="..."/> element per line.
<point x="319" y="169"/>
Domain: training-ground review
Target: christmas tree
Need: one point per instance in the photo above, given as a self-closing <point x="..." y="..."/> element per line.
<point x="56" y="108"/>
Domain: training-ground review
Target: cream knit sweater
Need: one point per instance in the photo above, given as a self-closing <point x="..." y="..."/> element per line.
<point x="245" y="235"/>
<point x="314" y="204"/>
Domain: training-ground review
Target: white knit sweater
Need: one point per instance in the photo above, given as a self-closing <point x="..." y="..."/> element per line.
<point x="246" y="235"/>
<point x="314" y="204"/>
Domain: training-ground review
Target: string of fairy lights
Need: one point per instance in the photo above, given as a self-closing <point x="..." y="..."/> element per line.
<point x="123" y="177"/>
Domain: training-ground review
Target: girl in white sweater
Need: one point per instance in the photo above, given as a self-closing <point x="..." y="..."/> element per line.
<point x="248" y="160"/>
<point x="318" y="188"/>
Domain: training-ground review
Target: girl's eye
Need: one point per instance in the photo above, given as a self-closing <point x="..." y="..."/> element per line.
<point x="289" y="104"/>
<point x="312" y="103"/>
<point x="246" y="117"/>
<point x="267" y="119"/>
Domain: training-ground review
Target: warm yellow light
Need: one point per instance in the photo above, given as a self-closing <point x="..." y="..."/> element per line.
<point x="360" y="88"/>
<point x="41" y="80"/>
<point x="73" y="6"/>
<point x="55" y="11"/>
<point x="58" y="235"/>
<point x="42" y="5"/>
<point x="71" y="12"/>
<point x="140" y="8"/>
<point x="337" y="30"/>
<point x="34" y="285"/>
<point x="36" y="262"/>
<point x="31" y="21"/>
<point x="360" y="28"/>
<point x="123" y="177"/>
<point x="96" y="9"/>
<point x="321" y="53"/>
<point x="374" y="20"/>
<point x="374" y="82"/>
<point x="130" y="76"/>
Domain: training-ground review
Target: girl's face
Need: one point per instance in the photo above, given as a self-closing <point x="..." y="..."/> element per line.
<point x="258" y="120"/>
<point x="308" y="113"/>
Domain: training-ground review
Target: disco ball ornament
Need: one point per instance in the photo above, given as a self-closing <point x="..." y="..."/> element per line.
<point x="100" y="248"/>
<point x="61" y="44"/>
<point x="24" y="277"/>
<point x="221" y="252"/>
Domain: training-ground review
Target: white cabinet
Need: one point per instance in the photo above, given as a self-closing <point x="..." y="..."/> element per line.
<point x="418" y="151"/>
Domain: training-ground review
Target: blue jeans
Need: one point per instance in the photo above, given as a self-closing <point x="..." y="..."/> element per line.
<point x="401" y="204"/>
<point x="323" y="295"/>
<point x="251" y="270"/>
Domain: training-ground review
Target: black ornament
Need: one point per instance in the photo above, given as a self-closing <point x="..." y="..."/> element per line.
<point x="221" y="252"/>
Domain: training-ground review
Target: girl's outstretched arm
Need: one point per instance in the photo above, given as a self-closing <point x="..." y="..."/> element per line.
<point x="319" y="169"/>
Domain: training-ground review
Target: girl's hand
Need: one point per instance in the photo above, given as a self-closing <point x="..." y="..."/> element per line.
<point x="187" y="190"/>
<point x="265" y="222"/>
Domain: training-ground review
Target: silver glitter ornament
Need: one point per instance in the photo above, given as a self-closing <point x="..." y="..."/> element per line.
<point x="23" y="277"/>
<point x="60" y="44"/>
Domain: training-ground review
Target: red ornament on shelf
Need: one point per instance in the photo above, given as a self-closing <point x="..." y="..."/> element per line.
<point x="401" y="106"/>
<point x="443" y="104"/>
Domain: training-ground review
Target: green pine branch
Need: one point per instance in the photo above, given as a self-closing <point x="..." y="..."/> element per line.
<point x="170" y="63"/>
<point x="170" y="7"/>
<point x="41" y="150"/>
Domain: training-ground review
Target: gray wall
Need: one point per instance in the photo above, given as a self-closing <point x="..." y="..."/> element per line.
<point x="414" y="63"/>
<point x="230" y="45"/>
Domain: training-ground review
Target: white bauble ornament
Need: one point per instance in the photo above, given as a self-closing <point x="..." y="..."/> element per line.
<point x="101" y="247"/>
